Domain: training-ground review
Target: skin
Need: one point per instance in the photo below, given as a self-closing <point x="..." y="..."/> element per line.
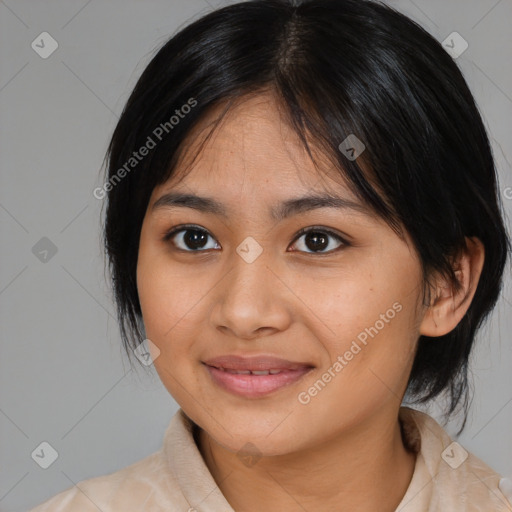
<point x="343" y="449"/>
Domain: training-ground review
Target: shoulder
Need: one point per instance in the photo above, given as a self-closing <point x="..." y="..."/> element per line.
<point x="161" y="481"/>
<point x="142" y="484"/>
<point x="455" y="478"/>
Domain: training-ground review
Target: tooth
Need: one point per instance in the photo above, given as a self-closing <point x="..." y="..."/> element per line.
<point x="274" y="372"/>
<point x="260" y="372"/>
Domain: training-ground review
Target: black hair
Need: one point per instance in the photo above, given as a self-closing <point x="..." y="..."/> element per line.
<point x="338" y="67"/>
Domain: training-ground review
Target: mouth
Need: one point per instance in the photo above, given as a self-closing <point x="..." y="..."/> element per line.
<point x="255" y="377"/>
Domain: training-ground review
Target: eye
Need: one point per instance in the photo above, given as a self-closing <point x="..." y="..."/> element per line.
<point x="192" y="238"/>
<point x="189" y="238"/>
<point x="317" y="239"/>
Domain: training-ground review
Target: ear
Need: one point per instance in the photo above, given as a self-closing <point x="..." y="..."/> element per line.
<point x="448" y="306"/>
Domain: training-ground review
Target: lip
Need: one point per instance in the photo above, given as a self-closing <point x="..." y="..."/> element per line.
<point x="223" y="370"/>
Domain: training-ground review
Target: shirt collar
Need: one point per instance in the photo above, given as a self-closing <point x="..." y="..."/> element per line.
<point x="436" y="482"/>
<point x="187" y="464"/>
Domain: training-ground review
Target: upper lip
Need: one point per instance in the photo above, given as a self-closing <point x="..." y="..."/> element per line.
<point x="232" y="362"/>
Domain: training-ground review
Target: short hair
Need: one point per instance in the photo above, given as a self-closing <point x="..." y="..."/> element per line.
<point x="338" y="68"/>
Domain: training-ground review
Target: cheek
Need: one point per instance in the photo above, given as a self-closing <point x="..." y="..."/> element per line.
<point x="360" y="306"/>
<point x="174" y="309"/>
<point x="368" y="368"/>
<point x="169" y="308"/>
<point x="165" y="291"/>
<point x="372" y="330"/>
<point x="164" y="296"/>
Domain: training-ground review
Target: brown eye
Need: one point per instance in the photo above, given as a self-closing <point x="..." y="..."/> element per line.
<point x="317" y="240"/>
<point x="189" y="239"/>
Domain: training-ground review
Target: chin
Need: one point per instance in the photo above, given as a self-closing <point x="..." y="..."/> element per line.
<point x="270" y="435"/>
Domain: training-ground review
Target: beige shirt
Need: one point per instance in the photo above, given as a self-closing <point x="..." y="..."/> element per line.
<point x="175" y="479"/>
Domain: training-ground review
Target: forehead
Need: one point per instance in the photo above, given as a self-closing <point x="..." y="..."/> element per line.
<point x="245" y="158"/>
<point x="254" y="145"/>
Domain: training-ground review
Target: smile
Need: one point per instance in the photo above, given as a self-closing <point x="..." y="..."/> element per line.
<point x="254" y="377"/>
<point x="252" y="372"/>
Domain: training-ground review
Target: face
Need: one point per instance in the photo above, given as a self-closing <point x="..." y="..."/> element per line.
<point x="327" y="319"/>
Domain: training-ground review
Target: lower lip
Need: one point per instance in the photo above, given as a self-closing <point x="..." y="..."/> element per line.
<point x="255" y="386"/>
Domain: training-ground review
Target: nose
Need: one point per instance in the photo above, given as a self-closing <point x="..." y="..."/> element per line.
<point x="252" y="300"/>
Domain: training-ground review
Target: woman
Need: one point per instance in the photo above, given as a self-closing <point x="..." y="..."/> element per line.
<point x="304" y="229"/>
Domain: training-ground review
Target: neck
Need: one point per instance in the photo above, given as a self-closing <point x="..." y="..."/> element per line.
<point x="365" y="469"/>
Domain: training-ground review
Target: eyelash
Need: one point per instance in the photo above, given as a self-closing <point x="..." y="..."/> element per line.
<point x="316" y="229"/>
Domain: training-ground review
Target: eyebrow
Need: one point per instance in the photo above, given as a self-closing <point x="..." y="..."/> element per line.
<point x="282" y="211"/>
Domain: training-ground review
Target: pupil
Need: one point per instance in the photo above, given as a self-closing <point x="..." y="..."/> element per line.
<point x="195" y="239"/>
<point x="319" y="241"/>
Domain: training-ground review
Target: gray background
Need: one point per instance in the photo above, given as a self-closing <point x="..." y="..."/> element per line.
<point x="63" y="376"/>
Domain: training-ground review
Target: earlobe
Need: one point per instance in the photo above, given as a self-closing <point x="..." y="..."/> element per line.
<point x="449" y="305"/>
